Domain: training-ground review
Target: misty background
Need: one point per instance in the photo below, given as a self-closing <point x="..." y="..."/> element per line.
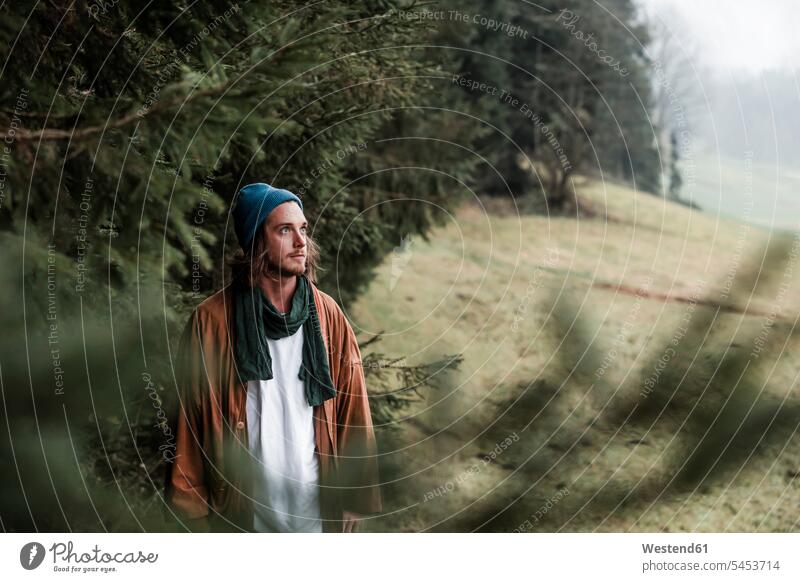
<point x="734" y="70"/>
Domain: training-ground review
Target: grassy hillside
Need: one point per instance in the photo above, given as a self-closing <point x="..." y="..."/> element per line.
<point x="761" y="193"/>
<point x="534" y="432"/>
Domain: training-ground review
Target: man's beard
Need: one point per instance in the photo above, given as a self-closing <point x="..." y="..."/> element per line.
<point x="284" y="270"/>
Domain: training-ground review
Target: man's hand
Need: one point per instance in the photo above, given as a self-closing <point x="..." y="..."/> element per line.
<point x="351" y="520"/>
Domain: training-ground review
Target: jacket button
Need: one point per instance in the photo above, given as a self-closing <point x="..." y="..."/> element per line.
<point x="240" y="425"/>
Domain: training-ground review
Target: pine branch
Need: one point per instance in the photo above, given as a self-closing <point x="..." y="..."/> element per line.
<point x="87" y="132"/>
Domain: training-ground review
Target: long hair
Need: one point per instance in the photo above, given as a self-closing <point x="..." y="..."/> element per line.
<point x="249" y="266"/>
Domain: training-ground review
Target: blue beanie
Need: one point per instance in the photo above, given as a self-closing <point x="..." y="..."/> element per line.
<point x="252" y="206"/>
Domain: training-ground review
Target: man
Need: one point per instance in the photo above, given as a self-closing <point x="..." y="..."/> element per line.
<point x="274" y="432"/>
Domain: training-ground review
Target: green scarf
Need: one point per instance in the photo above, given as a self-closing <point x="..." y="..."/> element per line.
<point x="256" y="319"/>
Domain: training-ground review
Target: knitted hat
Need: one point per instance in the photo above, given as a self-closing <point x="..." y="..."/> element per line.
<point x="253" y="204"/>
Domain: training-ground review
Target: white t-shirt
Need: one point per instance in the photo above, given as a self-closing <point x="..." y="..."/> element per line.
<point x="280" y="426"/>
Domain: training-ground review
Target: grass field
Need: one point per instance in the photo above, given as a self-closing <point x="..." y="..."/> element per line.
<point x="535" y="431"/>
<point x="767" y="194"/>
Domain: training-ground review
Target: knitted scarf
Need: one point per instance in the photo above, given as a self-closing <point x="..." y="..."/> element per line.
<point x="256" y="319"/>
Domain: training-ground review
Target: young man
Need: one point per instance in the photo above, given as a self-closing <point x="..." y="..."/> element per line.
<point x="274" y="432"/>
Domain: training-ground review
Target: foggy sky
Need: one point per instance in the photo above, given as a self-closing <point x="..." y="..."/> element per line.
<point x="739" y="35"/>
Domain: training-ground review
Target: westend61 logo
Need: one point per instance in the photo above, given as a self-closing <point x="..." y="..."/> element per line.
<point x="65" y="559"/>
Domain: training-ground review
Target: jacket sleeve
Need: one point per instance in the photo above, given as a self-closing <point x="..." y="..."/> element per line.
<point x="357" y="448"/>
<point x="186" y="487"/>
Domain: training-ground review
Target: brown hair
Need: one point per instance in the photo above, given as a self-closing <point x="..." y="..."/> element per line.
<point x="248" y="267"/>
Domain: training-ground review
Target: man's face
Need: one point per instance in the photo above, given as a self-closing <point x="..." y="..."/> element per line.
<point x="285" y="231"/>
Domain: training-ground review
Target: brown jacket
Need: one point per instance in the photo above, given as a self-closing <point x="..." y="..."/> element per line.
<point x="207" y="482"/>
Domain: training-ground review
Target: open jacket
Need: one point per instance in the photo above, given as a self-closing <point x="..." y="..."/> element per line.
<point x="208" y="484"/>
